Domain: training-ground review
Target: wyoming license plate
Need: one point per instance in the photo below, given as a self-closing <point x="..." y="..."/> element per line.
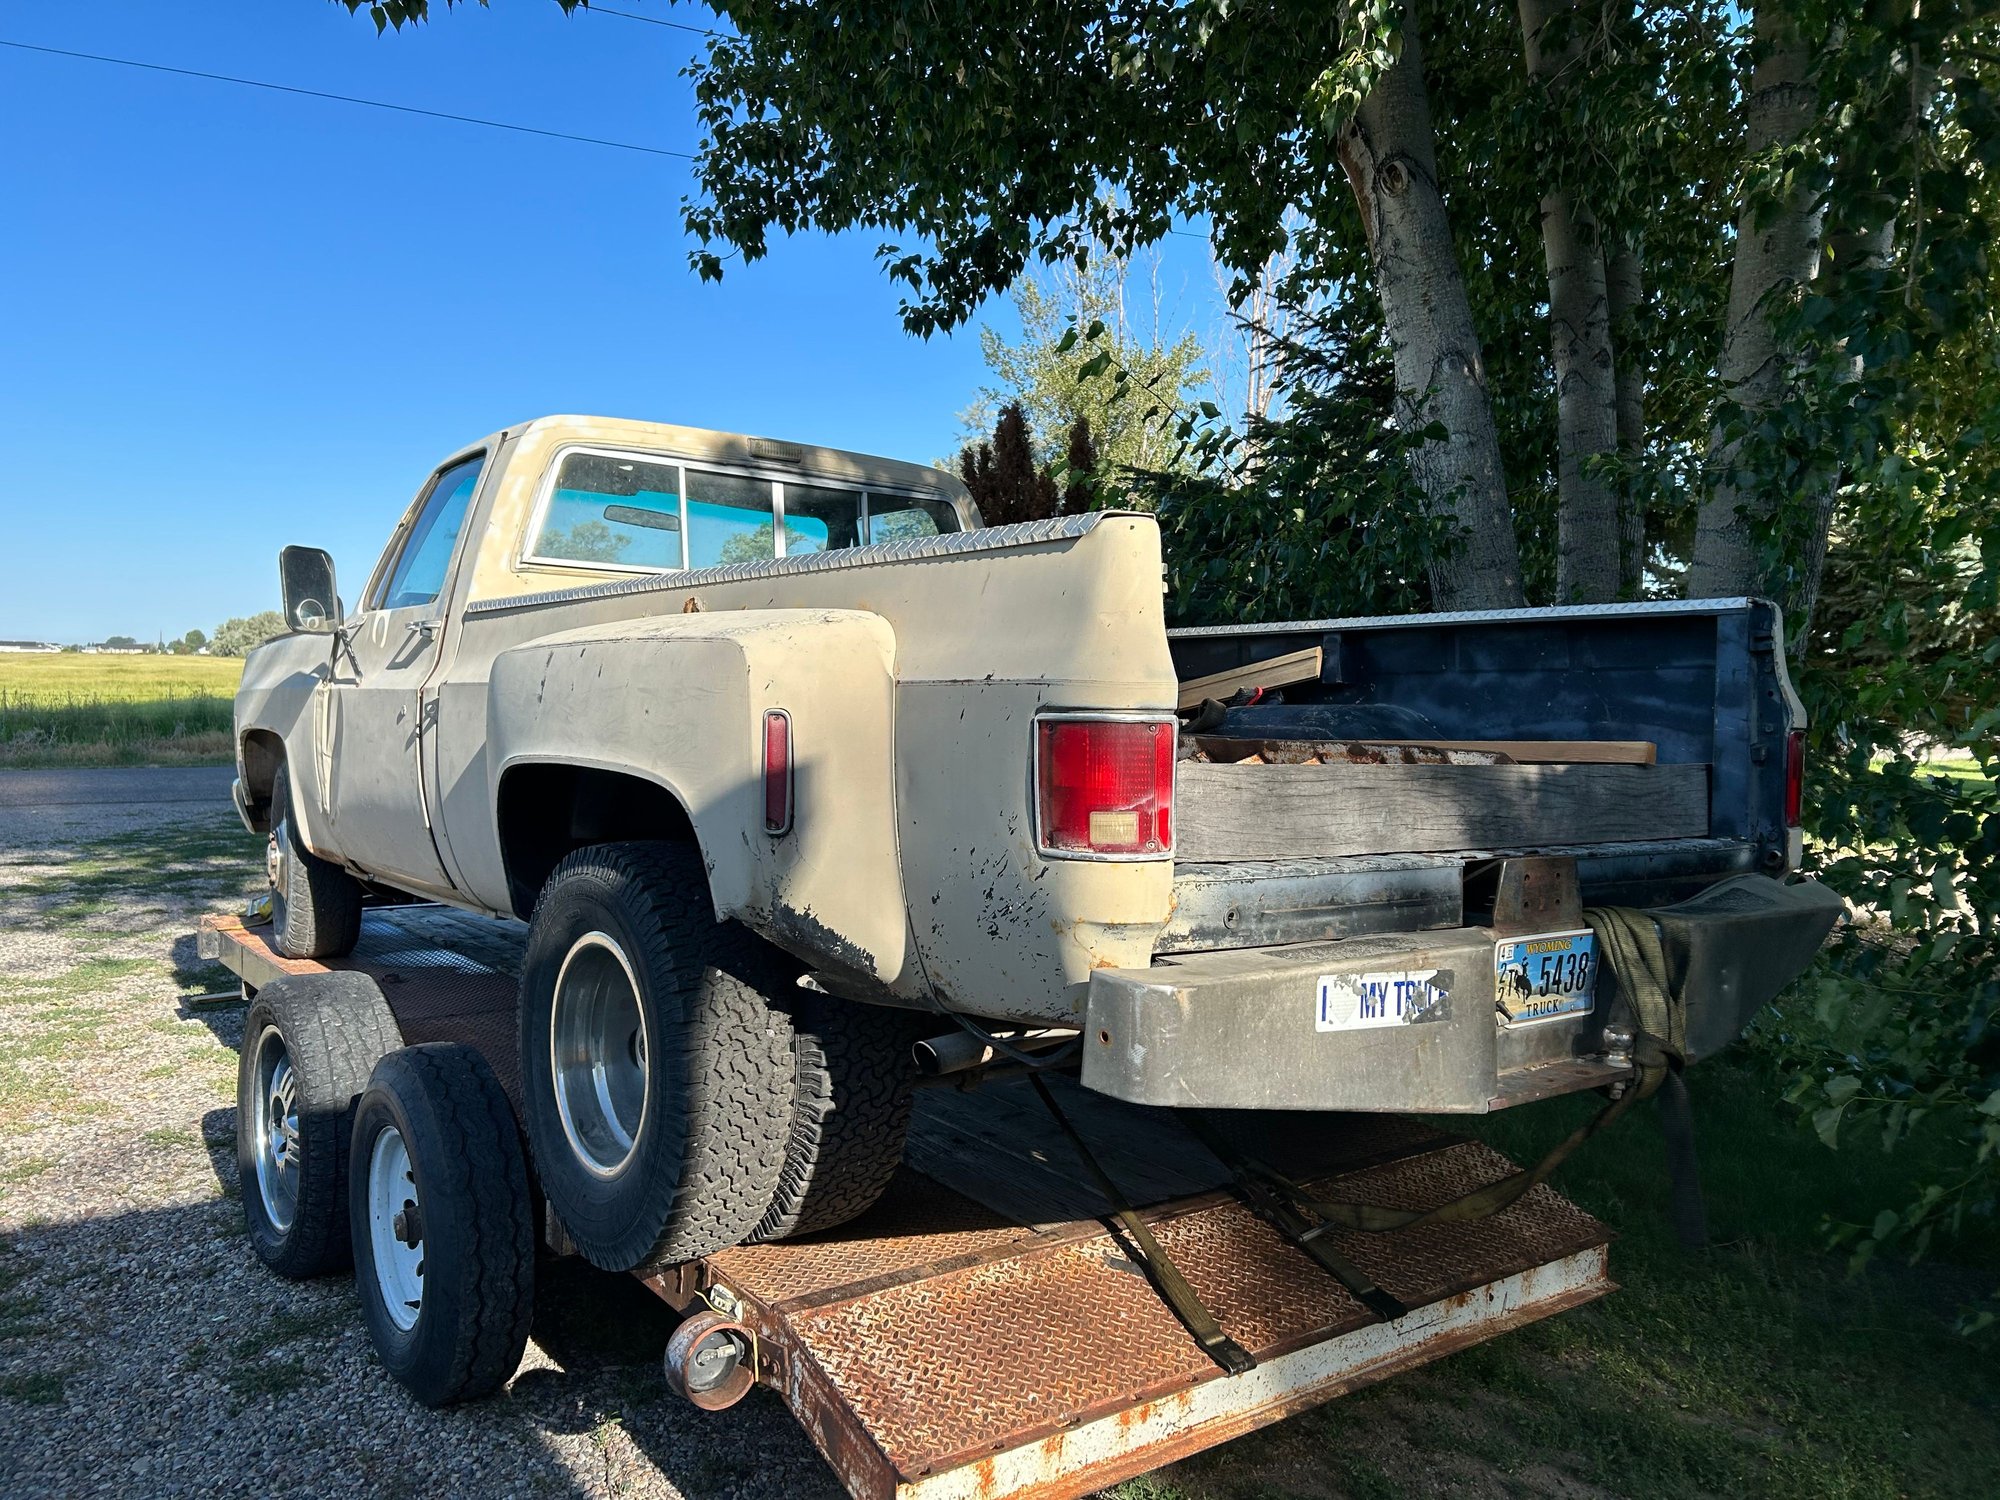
<point x="1544" y="977"/>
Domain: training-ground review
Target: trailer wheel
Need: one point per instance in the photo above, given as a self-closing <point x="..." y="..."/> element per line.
<point x="315" y="905"/>
<point x="443" y="1224"/>
<point x="656" y="1074"/>
<point x="309" y="1043"/>
<point x="851" y="1112"/>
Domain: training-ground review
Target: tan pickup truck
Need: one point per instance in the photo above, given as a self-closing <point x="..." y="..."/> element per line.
<point x="789" y="763"/>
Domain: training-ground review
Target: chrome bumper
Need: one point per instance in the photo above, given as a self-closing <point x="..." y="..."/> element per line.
<point x="1237" y="1029"/>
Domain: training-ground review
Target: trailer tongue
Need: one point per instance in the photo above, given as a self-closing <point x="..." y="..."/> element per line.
<point x="981" y="1332"/>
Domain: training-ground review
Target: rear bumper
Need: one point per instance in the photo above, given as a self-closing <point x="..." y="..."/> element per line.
<point x="1237" y="1029"/>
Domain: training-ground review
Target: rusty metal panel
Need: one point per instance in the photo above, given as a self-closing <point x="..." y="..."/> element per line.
<point x="941" y="1373"/>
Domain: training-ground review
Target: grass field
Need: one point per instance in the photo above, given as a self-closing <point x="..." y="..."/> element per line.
<point x="77" y="710"/>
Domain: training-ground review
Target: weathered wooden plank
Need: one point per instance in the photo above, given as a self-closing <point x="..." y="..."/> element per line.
<point x="1550" y="752"/>
<point x="1273" y="671"/>
<point x="1287" y="812"/>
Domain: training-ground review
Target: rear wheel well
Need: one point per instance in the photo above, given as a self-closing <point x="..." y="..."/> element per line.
<point x="547" y="812"/>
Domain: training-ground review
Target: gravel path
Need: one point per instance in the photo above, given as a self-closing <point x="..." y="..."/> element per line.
<point x="143" y="1349"/>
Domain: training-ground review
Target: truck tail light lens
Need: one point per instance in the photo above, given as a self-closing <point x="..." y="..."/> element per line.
<point x="777" y="771"/>
<point x="1795" y="777"/>
<point x="1104" y="786"/>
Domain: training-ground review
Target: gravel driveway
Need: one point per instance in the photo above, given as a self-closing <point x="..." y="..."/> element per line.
<point x="143" y="1349"/>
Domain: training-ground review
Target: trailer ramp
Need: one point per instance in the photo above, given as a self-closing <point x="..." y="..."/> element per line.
<point x="980" y="1332"/>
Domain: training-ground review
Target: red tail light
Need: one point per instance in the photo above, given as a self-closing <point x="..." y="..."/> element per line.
<point x="1795" y="777"/>
<point x="777" y="771"/>
<point x="1105" y="787"/>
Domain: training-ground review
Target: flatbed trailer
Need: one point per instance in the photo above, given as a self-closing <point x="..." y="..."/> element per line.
<point x="984" y="1331"/>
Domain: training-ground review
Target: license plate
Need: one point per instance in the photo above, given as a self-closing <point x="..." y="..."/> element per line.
<point x="1545" y="977"/>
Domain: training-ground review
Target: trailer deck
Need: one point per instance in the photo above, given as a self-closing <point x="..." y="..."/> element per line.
<point x="980" y="1332"/>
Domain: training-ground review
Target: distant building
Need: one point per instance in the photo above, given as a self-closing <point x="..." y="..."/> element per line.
<point x="43" y="646"/>
<point x="116" y="650"/>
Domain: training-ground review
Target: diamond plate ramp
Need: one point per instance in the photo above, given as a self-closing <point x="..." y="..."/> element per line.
<point x="968" y="1357"/>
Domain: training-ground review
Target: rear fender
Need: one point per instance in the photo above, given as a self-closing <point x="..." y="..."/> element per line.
<point x="680" y="700"/>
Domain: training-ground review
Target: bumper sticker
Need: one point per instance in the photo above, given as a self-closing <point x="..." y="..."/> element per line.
<point x="1394" y="997"/>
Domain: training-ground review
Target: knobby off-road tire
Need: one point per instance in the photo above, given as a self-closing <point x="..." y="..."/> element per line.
<point x="656" y="1074"/>
<point x="852" y="1074"/>
<point x="443" y="1224"/>
<point x="309" y="1045"/>
<point x="315" y="905"/>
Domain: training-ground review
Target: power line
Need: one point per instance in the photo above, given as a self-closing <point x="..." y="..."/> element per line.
<point x="601" y="10"/>
<point x="403" y="109"/>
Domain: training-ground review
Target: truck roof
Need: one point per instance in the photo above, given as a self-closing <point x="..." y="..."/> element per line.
<point x="736" y="449"/>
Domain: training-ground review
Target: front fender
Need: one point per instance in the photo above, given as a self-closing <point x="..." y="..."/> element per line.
<point x="680" y="700"/>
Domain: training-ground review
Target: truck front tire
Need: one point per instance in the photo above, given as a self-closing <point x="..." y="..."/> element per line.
<point x="309" y="1044"/>
<point x="656" y="1075"/>
<point x="443" y="1224"/>
<point x="315" y="905"/>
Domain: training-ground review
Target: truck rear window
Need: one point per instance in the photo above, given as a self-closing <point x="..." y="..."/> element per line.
<point x="616" y="511"/>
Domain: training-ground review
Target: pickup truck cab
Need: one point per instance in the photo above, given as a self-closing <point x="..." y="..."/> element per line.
<point x="788" y="761"/>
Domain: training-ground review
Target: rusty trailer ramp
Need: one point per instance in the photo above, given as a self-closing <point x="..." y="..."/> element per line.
<point x="980" y="1333"/>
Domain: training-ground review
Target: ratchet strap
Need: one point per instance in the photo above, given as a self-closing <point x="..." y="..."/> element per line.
<point x="1285" y="1206"/>
<point x="1160" y="1269"/>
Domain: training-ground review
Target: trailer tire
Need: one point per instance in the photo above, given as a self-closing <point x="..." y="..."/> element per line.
<point x="443" y="1224"/>
<point x="309" y="1045"/>
<point x="852" y="1072"/>
<point x="656" y="1074"/>
<point x="315" y="905"/>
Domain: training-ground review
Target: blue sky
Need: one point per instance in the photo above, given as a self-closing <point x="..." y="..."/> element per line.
<point x="235" y="319"/>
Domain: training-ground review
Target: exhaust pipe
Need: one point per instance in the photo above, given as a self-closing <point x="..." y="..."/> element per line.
<point x="958" y="1051"/>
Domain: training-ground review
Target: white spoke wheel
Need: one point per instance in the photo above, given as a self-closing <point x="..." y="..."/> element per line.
<point x="395" y="1229"/>
<point x="443" y="1223"/>
<point x="309" y="1044"/>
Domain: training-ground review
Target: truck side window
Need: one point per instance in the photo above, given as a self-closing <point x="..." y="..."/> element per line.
<point x="608" y="508"/>
<point x="418" y="577"/>
<point x="818" y="519"/>
<point x="899" y="518"/>
<point x="730" y="519"/>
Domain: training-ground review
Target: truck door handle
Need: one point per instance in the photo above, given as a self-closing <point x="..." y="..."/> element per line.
<point x="424" y="628"/>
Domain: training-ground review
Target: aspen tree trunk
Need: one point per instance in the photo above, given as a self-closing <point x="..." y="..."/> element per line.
<point x="1588" y="540"/>
<point x="1623" y="281"/>
<point x="1390" y="157"/>
<point x="1775" y="251"/>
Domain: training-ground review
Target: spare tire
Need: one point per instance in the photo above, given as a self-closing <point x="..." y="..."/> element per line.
<point x="656" y="1075"/>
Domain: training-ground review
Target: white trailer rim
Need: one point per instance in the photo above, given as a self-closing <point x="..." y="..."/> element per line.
<point x="395" y="1229"/>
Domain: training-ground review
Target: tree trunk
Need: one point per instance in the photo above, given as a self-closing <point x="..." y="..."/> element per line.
<point x="1587" y="529"/>
<point x="1775" y="252"/>
<point x="1623" y="281"/>
<point x="1390" y="158"/>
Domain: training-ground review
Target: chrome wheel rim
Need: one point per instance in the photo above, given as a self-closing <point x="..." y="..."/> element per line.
<point x="274" y="856"/>
<point x="396" y="1229"/>
<point x="274" y="1126"/>
<point x="599" y="1054"/>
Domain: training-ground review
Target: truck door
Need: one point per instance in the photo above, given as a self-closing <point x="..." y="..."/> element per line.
<point x="380" y="712"/>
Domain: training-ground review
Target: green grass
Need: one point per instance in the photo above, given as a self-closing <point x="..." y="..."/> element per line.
<point x="1753" y="1367"/>
<point x="76" y="710"/>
